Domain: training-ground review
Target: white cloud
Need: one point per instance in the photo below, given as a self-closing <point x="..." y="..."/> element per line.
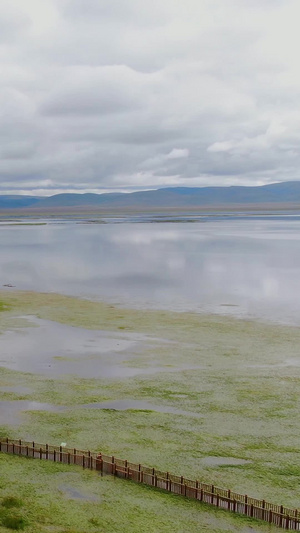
<point x="271" y="138"/>
<point x="178" y="153"/>
<point x="97" y="94"/>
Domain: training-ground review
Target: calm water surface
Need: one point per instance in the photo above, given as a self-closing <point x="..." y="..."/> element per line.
<point x="247" y="267"/>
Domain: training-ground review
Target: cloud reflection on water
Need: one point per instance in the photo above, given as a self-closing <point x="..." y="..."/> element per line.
<point x="252" y="264"/>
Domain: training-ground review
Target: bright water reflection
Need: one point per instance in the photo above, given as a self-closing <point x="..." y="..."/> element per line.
<point x="241" y="267"/>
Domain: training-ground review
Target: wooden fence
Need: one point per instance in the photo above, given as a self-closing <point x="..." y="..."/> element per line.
<point x="225" y="499"/>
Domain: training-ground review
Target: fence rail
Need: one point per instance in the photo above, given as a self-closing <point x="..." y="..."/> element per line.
<point x="278" y="515"/>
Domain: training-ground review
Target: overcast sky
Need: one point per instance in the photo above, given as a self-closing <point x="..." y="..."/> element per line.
<point x="100" y="95"/>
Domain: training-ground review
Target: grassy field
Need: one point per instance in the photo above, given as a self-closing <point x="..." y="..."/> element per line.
<point x="52" y="497"/>
<point x="238" y="383"/>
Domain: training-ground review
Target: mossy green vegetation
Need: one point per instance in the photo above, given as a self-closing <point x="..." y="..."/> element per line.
<point x="9" y="518"/>
<point x="228" y="388"/>
<point x="66" y="499"/>
<point x="10" y="501"/>
<point x="3" y="306"/>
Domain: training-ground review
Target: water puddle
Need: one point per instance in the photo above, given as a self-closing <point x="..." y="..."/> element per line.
<point x="10" y="411"/>
<point x="17" y="389"/>
<point x="52" y="349"/>
<point x="284" y="364"/>
<point x="47" y="348"/>
<point x="124" y="405"/>
<point x="75" y="494"/>
<point x="223" y="461"/>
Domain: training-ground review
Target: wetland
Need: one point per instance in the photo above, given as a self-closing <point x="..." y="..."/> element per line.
<point x="205" y="384"/>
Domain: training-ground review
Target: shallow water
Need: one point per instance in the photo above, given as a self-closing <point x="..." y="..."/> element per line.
<point x="74" y="494"/>
<point x="18" y="389"/>
<point x="52" y="349"/>
<point x="246" y="267"/>
<point x="123" y="405"/>
<point x="223" y="461"/>
<point x="11" y="411"/>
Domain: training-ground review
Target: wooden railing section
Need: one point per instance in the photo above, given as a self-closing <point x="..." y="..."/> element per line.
<point x="225" y="499"/>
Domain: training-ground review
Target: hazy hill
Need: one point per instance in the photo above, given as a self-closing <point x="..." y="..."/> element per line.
<point x="15" y="201"/>
<point x="181" y="197"/>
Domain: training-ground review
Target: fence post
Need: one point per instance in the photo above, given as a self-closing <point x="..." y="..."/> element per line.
<point x="217" y="500"/>
<point x="196" y="493"/>
<point x="181" y="483"/>
<point x="83" y="461"/>
<point x="69" y="458"/>
<point x="270" y="516"/>
<point x="139" y="478"/>
<point x="113" y="466"/>
<point x="229" y="498"/>
<point x="280" y="520"/>
<point x="90" y="463"/>
<point x="99" y="462"/>
<point x="201" y="495"/>
<point x="263" y="506"/>
<point x="54" y="456"/>
<point x="246" y="504"/>
<point x="47" y="451"/>
<point x="153" y="476"/>
<point x="169" y="482"/>
<point x="287" y="526"/>
<point x="212" y="494"/>
<point x="41" y="453"/>
<point x="20" y="448"/>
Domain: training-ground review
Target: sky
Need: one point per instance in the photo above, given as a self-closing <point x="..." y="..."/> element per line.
<point x="126" y="95"/>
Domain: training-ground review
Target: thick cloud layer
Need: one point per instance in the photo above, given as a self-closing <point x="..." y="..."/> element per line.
<point x="129" y="94"/>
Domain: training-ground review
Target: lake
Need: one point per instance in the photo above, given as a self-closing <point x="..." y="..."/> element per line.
<point x="241" y="266"/>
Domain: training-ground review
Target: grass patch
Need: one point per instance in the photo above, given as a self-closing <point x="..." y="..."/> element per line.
<point x="10" y="501"/>
<point x="14" y="521"/>
<point x="4" y="306"/>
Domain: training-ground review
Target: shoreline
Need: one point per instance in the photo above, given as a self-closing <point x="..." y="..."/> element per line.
<point x="13" y="292"/>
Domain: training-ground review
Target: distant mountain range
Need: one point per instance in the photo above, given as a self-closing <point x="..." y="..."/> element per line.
<point x="175" y="197"/>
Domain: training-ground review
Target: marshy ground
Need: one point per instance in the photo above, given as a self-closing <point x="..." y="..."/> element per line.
<point x="61" y="499"/>
<point x="206" y="397"/>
